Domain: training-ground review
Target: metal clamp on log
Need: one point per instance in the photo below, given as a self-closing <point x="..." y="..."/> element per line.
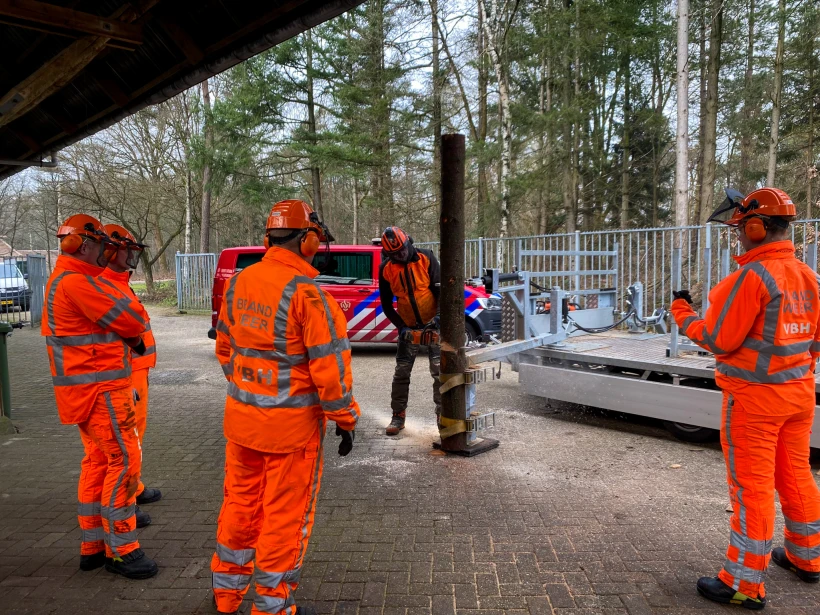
<point x="473" y="375"/>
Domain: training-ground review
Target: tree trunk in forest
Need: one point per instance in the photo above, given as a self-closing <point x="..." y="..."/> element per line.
<point x="483" y="180"/>
<point x="189" y="197"/>
<point x="703" y="62"/>
<point x="625" y="150"/>
<point x="495" y="33"/>
<point x="707" y="184"/>
<point x="577" y="182"/>
<point x="545" y="108"/>
<point x="148" y="272"/>
<point x="569" y="202"/>
<point x="315" y="172"/>
<point x="163" y="259"/>
<point x="205" y="229"/>
<point x="355" y="211"/>
<point x="746" y="130"/>
<point x="382" y="174"/>
<point x="437" y="87"/>
<point x="682" y="132"/>
<point x="811" y="168"/>
<point x="778" y="90"/>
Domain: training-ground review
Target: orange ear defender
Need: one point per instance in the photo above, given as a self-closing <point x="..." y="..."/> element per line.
<point x="310" y="244"/>
<point x="266" y="242"/>
<point x="755" y="229"/>
<point x="71" y="243"/>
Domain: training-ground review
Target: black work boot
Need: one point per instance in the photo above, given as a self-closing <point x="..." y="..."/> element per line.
<point x="396" y="425"/>
<point x="93" y="561"/>
<point x="135" y="565"/>
<point x="780" y="558"/>
<point x="149" y="496"/>
<point x="143" y="518"/>
<point x="305" y="610"/>
<point x="717" y="591"/>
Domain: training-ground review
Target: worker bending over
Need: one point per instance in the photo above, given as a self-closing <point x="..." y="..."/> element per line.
<point x="412" y="276"/>
<point x="762" y="326"/>
<point x="118" y="275"/>
<point x="282" y="342"/>
<point x="91" y="329"/>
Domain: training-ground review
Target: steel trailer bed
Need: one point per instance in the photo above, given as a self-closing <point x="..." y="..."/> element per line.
<point x="629" y="373"/>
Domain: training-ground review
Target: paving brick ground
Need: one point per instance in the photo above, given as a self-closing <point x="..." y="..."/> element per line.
<point x="576" y="513"/>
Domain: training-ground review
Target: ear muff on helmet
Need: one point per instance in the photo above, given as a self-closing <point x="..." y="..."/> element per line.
<point x="266" y="242"/>
<point x="71" y="243"/>
<point x="310" y="244"/>
<point x="755" y="229"/>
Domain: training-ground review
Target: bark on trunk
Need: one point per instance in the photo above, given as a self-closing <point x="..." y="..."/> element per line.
<point x="205" y="229"/>
<point x="682" y="132"/>
<point x="776" y="94"/>
<point x="315" y="173"/>
<point x="568" y="175"/>
<point x="707" y="186"/>
<point x="189" y="197"/>
<point x="483" y="179"/>
<point x="437" y="86"/>
<point x="746" y="142"/>
<point x="625" y="150"/>
<point x="703" y="63"/>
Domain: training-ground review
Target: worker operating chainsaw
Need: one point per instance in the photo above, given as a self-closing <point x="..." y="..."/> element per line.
<point x="412" y="276"/>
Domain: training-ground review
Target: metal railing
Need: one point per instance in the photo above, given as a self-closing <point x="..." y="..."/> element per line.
<point x="644" y="255"/>
<point x="195" y="279"/>
<point x="22" y="288"/>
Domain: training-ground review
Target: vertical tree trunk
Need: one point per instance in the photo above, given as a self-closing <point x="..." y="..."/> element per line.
<point x="483" y="180"/>
<point x="703" y="61"/>
<point x="355" y="211"/>
<point x="163" y="258"/>
<point x="189" y="197"/>
<point x="776" y="94"/>
<point x="625" y="148"/>
<point x="577" y="181"/>
<point x="682" y="132"/>
<point x="810" y="166"/>
<point x="746" y="143"/>
<point x="568" y="176"/>
<point x="147" y="272"/>
<point x="315" y="173"/>
<point x="205" y="229"/>
<point x="437" y="87"/>
<point x="545" y="108"/>
<point x="707" y="186"/>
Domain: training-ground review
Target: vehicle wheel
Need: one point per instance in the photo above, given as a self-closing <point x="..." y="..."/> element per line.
<point x="691" y="433"/>
<point x="471" y="333"/>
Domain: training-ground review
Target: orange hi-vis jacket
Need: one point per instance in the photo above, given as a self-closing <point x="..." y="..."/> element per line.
<point x="414" y="286"/>
<point x="762" y="326"/>
<point x="119" y="281"/>
<point x="282" y="342"/>
<point x="84" y="323"/>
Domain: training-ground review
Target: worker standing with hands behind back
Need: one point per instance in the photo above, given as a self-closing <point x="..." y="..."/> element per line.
<point x="90" y="329"/>
<point x="762" y="326"/>
<point x="282" y="343"/>
<point x="411" y="275"/>
<point x="118" y="275"/>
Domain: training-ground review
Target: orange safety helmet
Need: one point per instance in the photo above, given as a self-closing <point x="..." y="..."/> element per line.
<point x="124" y="240"/>
<point x="299" y="217"/>
<point x="396" y="244"/>
<point x="757" y="209"/>
<point x="76" y="229"/>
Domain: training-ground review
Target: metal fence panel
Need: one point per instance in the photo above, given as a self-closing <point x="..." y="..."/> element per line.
<point x="15" y="294"/>
<point x="37" y="277"/>
<point x="195" y="279"/>
<point x="644" y="255"/>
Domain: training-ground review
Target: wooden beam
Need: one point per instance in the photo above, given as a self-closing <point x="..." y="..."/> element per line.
<point x="35" y="15"/>
<point x="181" y="38"/>
<point x="61" y="119"/>
<point x="111" y="89"/>
<point x="26" y="140"/>
<point x="62" y="69"/>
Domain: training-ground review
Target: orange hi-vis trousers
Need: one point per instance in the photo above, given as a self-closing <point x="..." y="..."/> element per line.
<point x="139" y="382"/>
<point x="764" y="453"/>
<point x="109" y="474"/>
<point x="267" y="515"/>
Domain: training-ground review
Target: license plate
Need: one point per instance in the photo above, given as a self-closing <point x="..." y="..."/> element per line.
<point x="6" y="302"/>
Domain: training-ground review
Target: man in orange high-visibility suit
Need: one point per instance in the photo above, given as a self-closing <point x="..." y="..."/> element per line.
<point x="411" y="275"/>
<point x="118" y="275"/>
<point x="762" y="326"/>
<point x="282" y="342"/>
<point x="90" y="330"/>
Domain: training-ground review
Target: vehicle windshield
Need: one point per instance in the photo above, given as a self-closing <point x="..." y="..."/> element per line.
<point x="344" y="267"/>
<point x="10" y="270"/>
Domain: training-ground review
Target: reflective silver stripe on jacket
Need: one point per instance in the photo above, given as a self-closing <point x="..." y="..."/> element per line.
<point x="272" y="604"/>
<point x="236" y="582"/>
<point x="803" y="528"/>
<point x="88" y="509"/>
<point x="82" y="340"/>
<point x="123" y="299"/>
<point x="91" y="377"/>
<point x="96" y="534"/>
<point x="273" y="579"/>
<point x="755" y="547"/>
<point x="282" y="400"/>
<point x="805" y="553"/>
<point x="118" y="514"/>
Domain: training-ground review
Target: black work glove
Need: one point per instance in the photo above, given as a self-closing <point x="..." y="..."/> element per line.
<point x="139" y="348"/>
<point x="682" y="294"/>
<point x="346" y="445"/>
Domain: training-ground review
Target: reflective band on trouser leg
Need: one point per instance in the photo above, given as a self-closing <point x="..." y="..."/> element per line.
<point x="139" y="382"/>
<point x="238" y="526"/>
<point x="799" y="495"/>
<point x="111" y="426"/>
<point x="293" y="482"/>
<point x="89" y="492"/>
<point x="749" y="445"/>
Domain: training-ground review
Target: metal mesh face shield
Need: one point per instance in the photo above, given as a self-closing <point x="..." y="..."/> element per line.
<point x="730" y="210"/>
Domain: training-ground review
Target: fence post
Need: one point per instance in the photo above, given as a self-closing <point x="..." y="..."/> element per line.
<point x="480" y="256"/>
<point x="179" y="280"/>
<point x="5" y="380"/>
<point x="519" y="245"/>
<point x="577" y="260"/>
<point x="811" y="256"/>
<point x="724" y="262"/>
<point x="707" y="257"/>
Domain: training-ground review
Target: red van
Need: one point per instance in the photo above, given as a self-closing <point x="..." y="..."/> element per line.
<point x="351" y="275"/>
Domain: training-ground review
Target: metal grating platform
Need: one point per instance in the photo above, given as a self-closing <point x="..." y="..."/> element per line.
<point x="640" y="352"/>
